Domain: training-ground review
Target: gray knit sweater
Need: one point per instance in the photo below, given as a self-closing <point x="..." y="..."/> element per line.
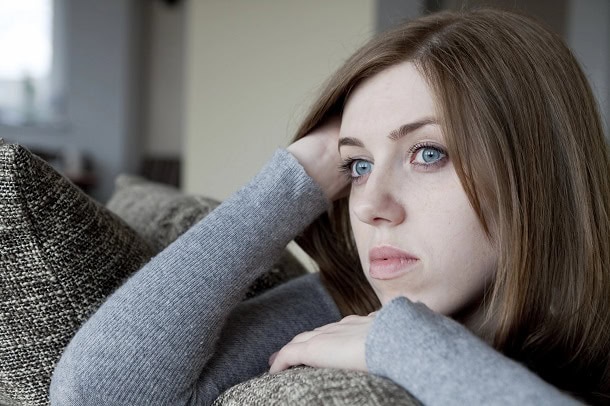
<point x="176" y="332"/>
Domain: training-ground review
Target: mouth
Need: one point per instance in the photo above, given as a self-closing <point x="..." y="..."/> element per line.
<point x="386" y="262"/>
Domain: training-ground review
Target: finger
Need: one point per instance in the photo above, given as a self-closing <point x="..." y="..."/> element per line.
<point x="339" y="326"/>
<point x="272" y="358"/>
<point x="327" y="327"/>
<point x="288" y="356"/>
<point x="354" y="320"/>
<point x="305" y="336"/>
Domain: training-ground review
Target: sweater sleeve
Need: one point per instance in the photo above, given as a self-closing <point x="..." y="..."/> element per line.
<point x="440" y="362"/>
<point x="156" y="339"/>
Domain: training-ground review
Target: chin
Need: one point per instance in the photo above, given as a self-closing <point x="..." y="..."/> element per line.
<point x="387" y="297"/>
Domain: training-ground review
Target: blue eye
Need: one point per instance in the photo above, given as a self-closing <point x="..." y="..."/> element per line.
<point x="356" y="170"/>
<point x="428" y="155"/>
<point x="360" y="168"/>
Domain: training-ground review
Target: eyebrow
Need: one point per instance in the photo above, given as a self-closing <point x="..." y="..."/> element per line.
<point x="394" y="135"/>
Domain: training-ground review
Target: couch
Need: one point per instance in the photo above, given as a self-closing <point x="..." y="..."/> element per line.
<point x="62" y="253"/>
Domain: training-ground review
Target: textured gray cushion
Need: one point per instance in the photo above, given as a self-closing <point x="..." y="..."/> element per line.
<point x="161" y="213"/>
<point x="158" y="212"/>
<point x="61" y="254"/>
<point x="313" y="386"/>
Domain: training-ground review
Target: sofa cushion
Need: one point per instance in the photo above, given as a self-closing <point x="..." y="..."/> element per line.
<point x="61" y="254"/>
<point x="158" y="212"/>
<point x="317" y="386"/>
<point x="161" y="213"/>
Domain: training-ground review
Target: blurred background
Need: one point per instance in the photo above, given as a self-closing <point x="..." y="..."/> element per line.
<point x="199" y="93"/>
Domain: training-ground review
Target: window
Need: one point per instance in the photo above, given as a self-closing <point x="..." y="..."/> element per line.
<point x="31" y="90"/>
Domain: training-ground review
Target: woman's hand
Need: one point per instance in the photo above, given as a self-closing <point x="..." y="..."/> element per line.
<point x="336" y="345"/>
<point x="319" y="154"/>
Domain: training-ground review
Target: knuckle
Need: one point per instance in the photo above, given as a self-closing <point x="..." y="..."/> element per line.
<point x="300" y="337"/>
<point x="287" y="349"/>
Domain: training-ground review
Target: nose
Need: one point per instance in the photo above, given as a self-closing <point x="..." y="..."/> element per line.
<point x="378" y="202"/>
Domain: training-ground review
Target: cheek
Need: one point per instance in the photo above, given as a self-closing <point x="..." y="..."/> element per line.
<point x="452" y="226"/>
<point x="459" y="258"/>
<point x="464" y="262"/>
<point x="359" y="232"/>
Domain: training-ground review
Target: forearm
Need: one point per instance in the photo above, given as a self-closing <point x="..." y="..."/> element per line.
<point x="150" y="341"/>
<point x="262" y="325"/>
<point x="440" y="362"/>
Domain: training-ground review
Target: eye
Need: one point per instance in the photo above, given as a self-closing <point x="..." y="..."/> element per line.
<point x="360" y="168"/>
<point x="356" y="169"/>
<point x="428" y="155"/>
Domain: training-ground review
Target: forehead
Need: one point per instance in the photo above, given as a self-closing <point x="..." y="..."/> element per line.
<point x="384" y="102"/>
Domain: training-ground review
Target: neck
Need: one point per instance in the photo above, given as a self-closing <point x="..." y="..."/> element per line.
<point x="474" y="318"/>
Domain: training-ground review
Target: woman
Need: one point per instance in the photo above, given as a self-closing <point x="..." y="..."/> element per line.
<point x="518" y="113"/>
<point x="478" y="209"/>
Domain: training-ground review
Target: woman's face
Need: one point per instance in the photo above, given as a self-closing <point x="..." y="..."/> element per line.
<point x="416" y="232"/>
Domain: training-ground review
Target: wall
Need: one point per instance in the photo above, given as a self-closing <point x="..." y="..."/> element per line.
<point x="163" y="101"/>
<point x="252" y="69"/>
<point x="392" y="12"/>
<point x="588" y="34"/>
<point x="554" y="13"/>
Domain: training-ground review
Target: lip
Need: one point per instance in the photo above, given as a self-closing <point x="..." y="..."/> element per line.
<point x="387" y="262"/>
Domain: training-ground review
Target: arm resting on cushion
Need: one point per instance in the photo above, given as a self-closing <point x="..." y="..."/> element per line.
<point x="440" y="362"/>
<point x="154" y="339"/>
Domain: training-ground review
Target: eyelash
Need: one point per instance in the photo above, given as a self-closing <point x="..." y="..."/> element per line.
<point x="413" y="151"/>
<point x="347" y="166"/>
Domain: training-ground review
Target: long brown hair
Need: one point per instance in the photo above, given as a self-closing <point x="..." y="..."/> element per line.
<point x="524" y="133"/>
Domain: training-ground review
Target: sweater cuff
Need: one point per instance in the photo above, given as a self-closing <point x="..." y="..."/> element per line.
<point x="283" y="179"/>
<point x="414" y="333"/>
<point x="441" y="362"/>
